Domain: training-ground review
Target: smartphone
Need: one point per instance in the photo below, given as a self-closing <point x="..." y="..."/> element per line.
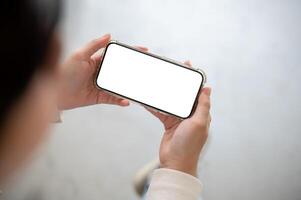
<point x="151" y="80"/>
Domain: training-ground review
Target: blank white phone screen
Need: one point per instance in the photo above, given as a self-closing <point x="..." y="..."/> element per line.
<point x="149" y="80"/>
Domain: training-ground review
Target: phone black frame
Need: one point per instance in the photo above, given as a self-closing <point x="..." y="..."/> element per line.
<point x="158" y="57"/>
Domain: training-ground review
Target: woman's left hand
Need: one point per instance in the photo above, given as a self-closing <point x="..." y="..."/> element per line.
<point x="77" y="87"/>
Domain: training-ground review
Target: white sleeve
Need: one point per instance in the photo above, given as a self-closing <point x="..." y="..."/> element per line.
<point x="168" y="184"/>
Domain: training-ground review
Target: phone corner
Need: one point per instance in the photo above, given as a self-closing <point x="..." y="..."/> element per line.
<point x="203" y="74"/>
<point x="112" y="42"/>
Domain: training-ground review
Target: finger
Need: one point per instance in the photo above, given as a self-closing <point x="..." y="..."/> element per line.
<point x="188" y="63"/>
<point x="117" y="101"/>
<point x="203" y="107"/>
<point x="97" y="57"/>
<point x="106" y="98"/>
<point x="142" y="48"/>
<point x="162" y="117"/>
<point x="124" y="102"/>
<point x="155" y="113"/>
<point x="94" y="45"/>
<point x="167" y="120"/>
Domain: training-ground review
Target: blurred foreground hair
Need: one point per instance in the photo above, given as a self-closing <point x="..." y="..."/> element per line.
<point x="26" y="29"/>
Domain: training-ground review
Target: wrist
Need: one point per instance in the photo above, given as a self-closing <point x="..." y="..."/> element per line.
<point x="190" y="169"/>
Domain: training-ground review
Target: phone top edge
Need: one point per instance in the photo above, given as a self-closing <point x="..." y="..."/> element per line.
<point x="162" y="58"/>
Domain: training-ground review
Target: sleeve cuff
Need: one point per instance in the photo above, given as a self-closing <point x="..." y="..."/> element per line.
<point x="172" y="184"/>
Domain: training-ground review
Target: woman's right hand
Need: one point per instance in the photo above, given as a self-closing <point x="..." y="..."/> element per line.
<point x="183" y="140"/>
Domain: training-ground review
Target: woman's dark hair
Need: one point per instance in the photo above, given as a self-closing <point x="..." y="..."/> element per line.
<point x="26" y="29"/>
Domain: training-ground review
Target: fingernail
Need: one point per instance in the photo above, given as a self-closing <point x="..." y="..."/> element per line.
<point x="108" y="35"/>
<point x="207" y="91"/>
<point x="142" y="48"/>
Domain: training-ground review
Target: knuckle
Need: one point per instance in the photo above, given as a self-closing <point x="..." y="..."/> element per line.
<point x="94" y="41"/>
<point x="199" y="124"/>
<point x="78" y="54"/>
<point x="206" y="104"/>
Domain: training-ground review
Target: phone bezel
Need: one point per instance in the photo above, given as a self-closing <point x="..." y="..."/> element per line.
<point x="158" y="57"/>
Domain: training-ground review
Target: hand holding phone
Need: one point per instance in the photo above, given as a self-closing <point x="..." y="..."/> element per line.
<point x="153" y="81"/>
<point x="77" y="88"/>
<point x="166" y="86"/>
<point x="183" y="140"/>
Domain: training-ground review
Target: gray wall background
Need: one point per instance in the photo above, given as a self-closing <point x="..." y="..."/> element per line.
<point x="250" y="51"/>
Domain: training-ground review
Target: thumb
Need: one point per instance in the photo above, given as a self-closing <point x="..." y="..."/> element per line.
<point x="202" y="111"/>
